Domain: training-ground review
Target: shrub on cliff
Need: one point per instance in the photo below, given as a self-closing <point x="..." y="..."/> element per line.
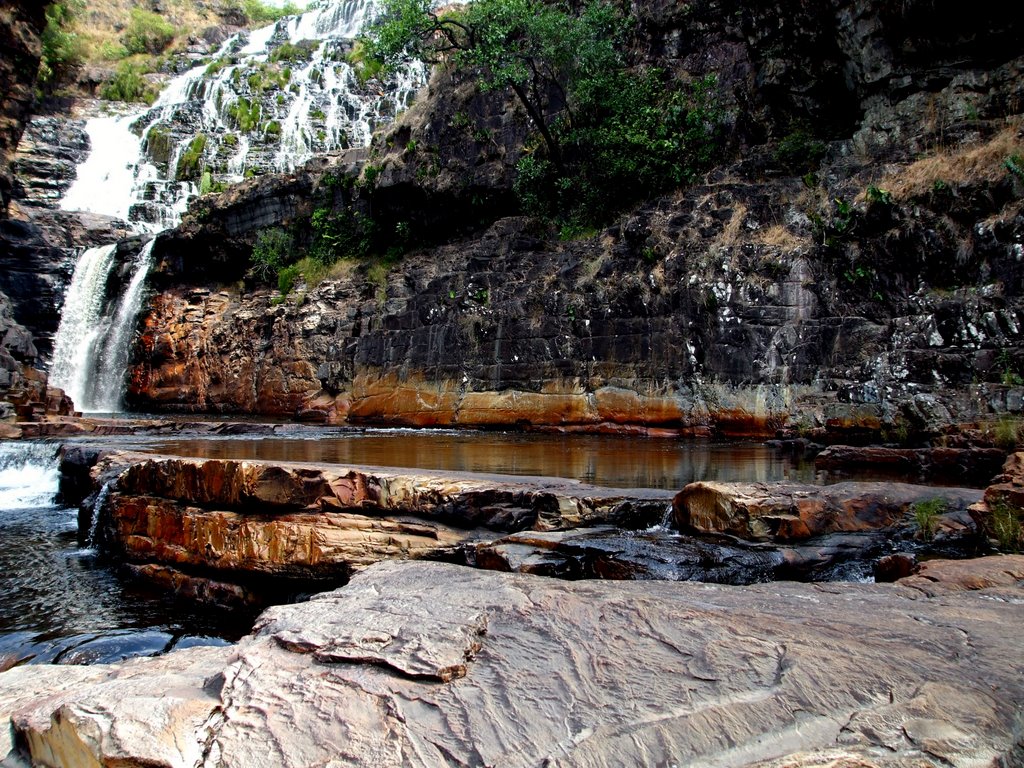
<point x="62" y="50"/>
<point x="608" y="134"/>
<point x="147" y="32"/>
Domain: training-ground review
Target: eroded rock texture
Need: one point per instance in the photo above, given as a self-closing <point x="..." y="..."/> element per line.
<point x="780" y="292"/>
<point x="235" y="519"/>
<point x="425" y="664"/>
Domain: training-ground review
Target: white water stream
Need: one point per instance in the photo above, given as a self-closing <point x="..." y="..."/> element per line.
<point x="298" y="97"/>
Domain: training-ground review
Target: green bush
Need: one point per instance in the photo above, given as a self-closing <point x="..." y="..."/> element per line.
<point x="294" y="52"/>
<point x="799" y="151"/>
<point x="245" y="114"/>
<point x="926" y="516"/>
<point x="191" y="161"/>
<point x="62" y="50"/>
<point x="286" y="279"/>
<point x="271" y="253"/>
<point x="128" y="84"/>
<point x="147" y="32"/>
<point x="1005" y="522"/>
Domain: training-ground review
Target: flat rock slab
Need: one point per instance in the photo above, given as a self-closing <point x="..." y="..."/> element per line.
<point x="429" y="664"/>
<point x="793" y="511"/>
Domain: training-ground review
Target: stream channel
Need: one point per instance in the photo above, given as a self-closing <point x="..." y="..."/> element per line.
<point x="61" y="602"/>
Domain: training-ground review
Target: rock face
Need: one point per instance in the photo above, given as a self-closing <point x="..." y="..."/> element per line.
<point x="21" y="24"/>
<point x="227" y="519"/>
<point x="747" y="304"/>
<point x="424" y="664"/>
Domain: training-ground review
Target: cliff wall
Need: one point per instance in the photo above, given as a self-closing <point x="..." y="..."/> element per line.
<point x="854" y="269"/>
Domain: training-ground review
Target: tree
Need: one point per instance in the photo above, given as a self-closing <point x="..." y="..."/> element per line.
<point x="62" y="50"/>
<point x="536" y="49"/>
<point x="609" y="133"/>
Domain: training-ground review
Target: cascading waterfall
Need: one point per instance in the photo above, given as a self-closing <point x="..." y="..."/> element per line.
<point x="94" y="339"/>
<point x="28" y="475"/>
<point x="266" y="102"/>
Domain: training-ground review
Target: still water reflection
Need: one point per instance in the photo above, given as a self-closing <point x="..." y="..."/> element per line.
<point x="620" y="462"/>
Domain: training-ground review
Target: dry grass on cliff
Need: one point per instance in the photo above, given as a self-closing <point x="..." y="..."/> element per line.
<point x="102" y="22"/>
<point x="979" y="163"/>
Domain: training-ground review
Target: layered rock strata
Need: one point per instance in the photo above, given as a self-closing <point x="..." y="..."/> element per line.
<point x="230" y="520"/>
<point x="421" y="664"/>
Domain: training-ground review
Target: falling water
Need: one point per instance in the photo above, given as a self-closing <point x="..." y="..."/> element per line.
<point x="94" y="338"/>
<point x="81" y="321"/>
<point x="267" y="102"/>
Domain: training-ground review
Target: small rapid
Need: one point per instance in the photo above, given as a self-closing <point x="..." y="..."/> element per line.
<point x="59" y="602"/>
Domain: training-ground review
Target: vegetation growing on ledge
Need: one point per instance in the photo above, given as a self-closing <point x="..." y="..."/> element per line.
<point x="608" y="134"/>
<point x="191" y="160"/>
<point x="62" y="49"/>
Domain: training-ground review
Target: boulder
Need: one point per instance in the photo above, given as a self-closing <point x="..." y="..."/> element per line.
<point x="221" y="518"/>
<point x="425" y="664"/>
<point x="791" y="512"/>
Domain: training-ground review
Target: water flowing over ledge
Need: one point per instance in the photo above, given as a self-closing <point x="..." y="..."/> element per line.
<point x="267" y="102"/>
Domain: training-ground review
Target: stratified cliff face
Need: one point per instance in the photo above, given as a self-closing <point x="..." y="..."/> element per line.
<point x="21" y="24"/>
<point x="858" y="268"/>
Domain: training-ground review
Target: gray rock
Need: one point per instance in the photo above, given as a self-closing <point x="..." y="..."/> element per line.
<point x="567" y="674"/>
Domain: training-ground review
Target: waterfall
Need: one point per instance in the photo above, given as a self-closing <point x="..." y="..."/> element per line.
<point x="93" y="341"/>
<point x="267" y="102"/>
<point x="28" y="475"/>
<point x="80" y="322"/>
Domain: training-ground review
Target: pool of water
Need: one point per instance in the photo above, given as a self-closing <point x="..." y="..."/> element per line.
<point x="612" y="461"/>
<point x="59" y="602"/>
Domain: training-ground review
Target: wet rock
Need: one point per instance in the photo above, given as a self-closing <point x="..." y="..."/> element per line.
<point x="424" y="663"/>
<point x="206" y="517"/>
<point x="790" y="512"/>
<point x="894" y="567"/>
<point x="968" y="465"/>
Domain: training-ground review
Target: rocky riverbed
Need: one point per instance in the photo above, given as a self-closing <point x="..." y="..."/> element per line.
<point x="428" y="664"/>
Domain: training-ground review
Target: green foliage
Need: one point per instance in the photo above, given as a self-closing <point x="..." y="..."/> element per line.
<point x="607" y="135"/>
<point x="926" y="516"/>
<point x="340" y="234"/>
<point x="217" y="65"/>
<point x="1005" y="524"/>
<point x="158" y="145"/>
<point x="190" y="162"/>
<point x="799" y="151"/>
<point x="147" y="32"/>
<point x="260" y="13"/>
<point x="271" y="253"/>
<point x="245" y="114"/>
<point x="128" y="84"/>
<point x="631" y="137"/>
<point x="1015" y="165"/>
<point x="1010" y="376"/>
<point x="880" y="196"/>
<point x="294" y="52"/>
<point x="286" y="279"/>
<point x="1006" y="433"/>
<point x="366" y="67"/>
<point x="62" y="50"/>
<point x="273" y="128"/>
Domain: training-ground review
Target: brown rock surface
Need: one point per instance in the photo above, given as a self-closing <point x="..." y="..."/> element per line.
<point x="324" y="522"/>
<point x="789" y="511"/>
<point x="425" y="664"/>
